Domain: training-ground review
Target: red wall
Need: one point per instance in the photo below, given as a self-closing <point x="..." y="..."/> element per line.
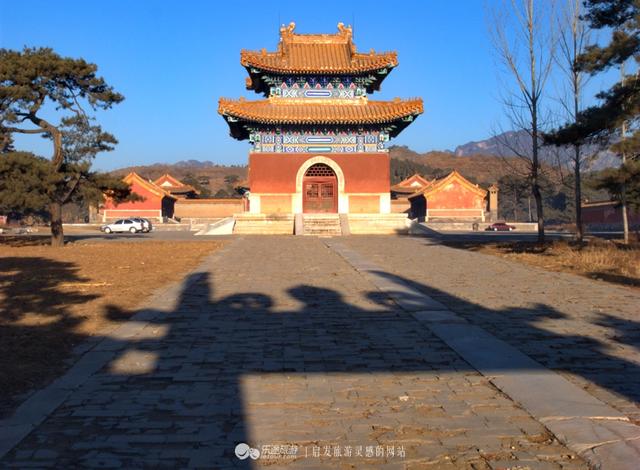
<point x="151" y="201"/>
<point x="208" y="208"/>
<point x="608" y="214"/>
<point x="455" y="196"/>
<point x="276" y="172"/>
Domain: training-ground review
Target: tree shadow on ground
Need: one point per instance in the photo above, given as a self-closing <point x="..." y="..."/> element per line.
<point x="581" y="259"/>
<point x="36" y="323"/>
<point x="24" y="240"/>
<point x="217" y="372"/>
<point x="576" y="354"/>
<point x="624" y="331"/>
<point x="16" y="241"/>
<point x="614" y="278"/>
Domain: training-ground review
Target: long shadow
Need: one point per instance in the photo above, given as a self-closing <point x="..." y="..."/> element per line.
<point x="188" y="394"/>
<point x="625" y="331"/>
<point x="36" y="323"/>
<point x="573" y="353"/>
<point x="541" y="250"/>
<point x="614" y="278"/>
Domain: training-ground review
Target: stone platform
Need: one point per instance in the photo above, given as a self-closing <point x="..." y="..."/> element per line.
<point x="321" y="224"/>
<point x="263" y="224"/>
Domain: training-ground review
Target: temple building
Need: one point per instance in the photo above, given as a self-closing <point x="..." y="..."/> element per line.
<point x="452" y="198"/>
<point x="166" y="199"/>
<point x="176" y="188"/>
<point x="154" y="202"/>
<point x="318" y="143"/>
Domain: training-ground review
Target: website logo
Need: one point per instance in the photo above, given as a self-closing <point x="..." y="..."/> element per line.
<point x="244" y="451"/>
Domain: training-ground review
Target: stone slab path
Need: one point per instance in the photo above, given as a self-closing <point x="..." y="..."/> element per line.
<point x="589" y="331"/>
<point x="281" y="343"/>
<point x="601" y="434"/>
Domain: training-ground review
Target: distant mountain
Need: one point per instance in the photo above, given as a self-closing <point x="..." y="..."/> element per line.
<point x="503" y="145"/>
<point x="491" y="146"/>
<point x="479" y="168"/>
<point x="196" y="164"/>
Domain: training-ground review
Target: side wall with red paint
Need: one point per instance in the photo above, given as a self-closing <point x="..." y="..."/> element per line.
<point x="608" y="213"/>
<point x="151" y="200"/>
<point x="276" y="172"/>
<point x="455" y="196"/>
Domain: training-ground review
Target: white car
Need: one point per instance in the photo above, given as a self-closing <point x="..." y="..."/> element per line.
<point x="146" y="223"/>
<point x="123" y="225"/>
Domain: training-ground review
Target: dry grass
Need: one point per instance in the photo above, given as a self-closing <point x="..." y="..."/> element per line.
<point x="52" y="299"/>
<point x="598" y="259"/>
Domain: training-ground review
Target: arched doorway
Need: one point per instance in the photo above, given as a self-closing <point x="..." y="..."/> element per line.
<point x="320" y="189"/>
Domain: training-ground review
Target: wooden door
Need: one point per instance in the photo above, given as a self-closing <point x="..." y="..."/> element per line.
<point x="320" y="196"/>
<point x="320" y="190"/>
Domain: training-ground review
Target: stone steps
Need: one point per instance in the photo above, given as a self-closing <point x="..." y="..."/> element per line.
<point x="263" y="224"/>
<point x="382" y="224"/>
<point x="322" y="225"/>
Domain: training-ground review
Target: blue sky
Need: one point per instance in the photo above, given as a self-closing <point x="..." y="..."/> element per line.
<point x="173" y="60"/>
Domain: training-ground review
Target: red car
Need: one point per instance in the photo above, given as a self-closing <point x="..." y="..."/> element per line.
<point x="500" y="227"/>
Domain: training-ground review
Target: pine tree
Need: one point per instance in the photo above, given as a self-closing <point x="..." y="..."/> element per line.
<point x="31" y="78"/>
<point x="27" y="184"/>
<point x="24" y="178"/>
<point x="616" y="117"/>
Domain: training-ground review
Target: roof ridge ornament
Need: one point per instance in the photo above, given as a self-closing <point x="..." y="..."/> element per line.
<point x="346" y="30"/>
<point x="287" y="30"/>
<point x="347" y="33"/>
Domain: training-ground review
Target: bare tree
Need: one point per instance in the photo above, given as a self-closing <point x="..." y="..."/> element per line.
<point x="572" y="42"/>
<point x="523" y="37"/>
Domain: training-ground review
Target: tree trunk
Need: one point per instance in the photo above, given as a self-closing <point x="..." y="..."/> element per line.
<point x="57" y="235"/>
<point x="578" y="194"/>
<point x="623" y="195"/>
<point x="537" y="196"/>
<point x="623" y="189"/>
<point x="535" y="185"/>
<point x="535" y="131"/>
<point x="625" y="215"/>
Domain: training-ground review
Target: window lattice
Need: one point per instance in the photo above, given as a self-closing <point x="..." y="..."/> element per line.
<point x="320" y="169"/>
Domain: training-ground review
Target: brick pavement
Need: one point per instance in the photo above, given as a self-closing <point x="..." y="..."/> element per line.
<point x="587" y="330"/>
<point x="278" y="341"/>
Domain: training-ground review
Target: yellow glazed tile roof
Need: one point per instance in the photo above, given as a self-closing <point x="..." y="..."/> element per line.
<point x="304" y="111"/>
<point x="309" y="53"/>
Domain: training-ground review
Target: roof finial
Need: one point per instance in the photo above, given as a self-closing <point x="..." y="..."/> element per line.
<point x="344" y="29"/>
<point x="288" y="29"/>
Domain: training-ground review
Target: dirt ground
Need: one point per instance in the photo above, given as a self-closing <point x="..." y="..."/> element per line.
<point x="52" y="299"/>
<point x="603" y="260"/>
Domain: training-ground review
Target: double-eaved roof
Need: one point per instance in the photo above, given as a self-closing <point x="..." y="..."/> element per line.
<point x="331" y="54"/>
<point x="314" y="56"/>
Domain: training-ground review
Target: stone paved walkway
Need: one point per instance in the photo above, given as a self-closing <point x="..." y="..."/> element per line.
<point x="587" y="330"/>
<point x="278" y="341"/>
